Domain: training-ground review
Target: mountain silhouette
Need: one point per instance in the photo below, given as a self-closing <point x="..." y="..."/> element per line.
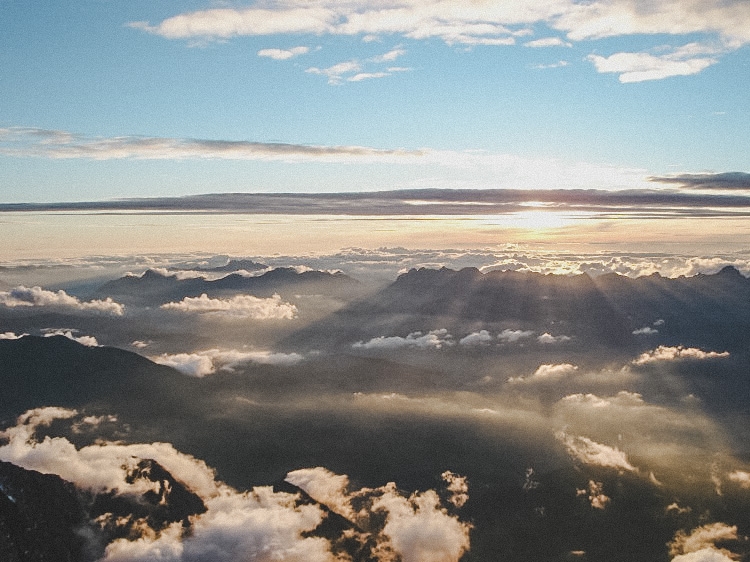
<point x="154" y="288"/>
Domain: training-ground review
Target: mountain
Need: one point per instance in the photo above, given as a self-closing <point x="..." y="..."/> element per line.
<point x="43" y="371"/>
<point x="710" y="309"/>
<point x="234" y="265"/>
<point x="44" y="518"/>
<point x="154" y="288"/>
<point x="40" y="517"/>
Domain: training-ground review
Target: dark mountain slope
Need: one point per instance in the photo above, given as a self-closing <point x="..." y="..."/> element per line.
<point x="57" y="371"/>
<point x="712" y="310"/>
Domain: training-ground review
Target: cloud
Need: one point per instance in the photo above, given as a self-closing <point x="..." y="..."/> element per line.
<point x="418" y="530"/>
<point x="457" y="22"/>
<point x="212" y="360"/>
<point x="240" y="306"/>
<point x="548" y="42"/>
<point x="512" y="336"/>
<point x="590" y="452"/>
<point x="89" y="341"/>
<point x="558" y="64"/>
<point x="548" y="339"/>
<point x="595" y="494"/>
<point x="458" y="486"/>
<point x="336" y="72"/>
<point x="99" y="467"/>
<point x="639" y="67"/>
<point x="22" y="296"/>
<point x="548" y="372"/>
<point x="367" y="76"/>
<point x="700" y="544"/>
<point x="482" y="337"/>
<point x="435" y="339"/>
<point x="726" y="180"/>
<point x="11" y="336"/>
<point x="645" y="331"/>
<point x="283" y="54"/>
<point x="740" y="477"/>
<point x="390" y="56"/>
<point x="24" y="142"/>
<point x="324" y="486"/>
<point x="666" y="353"/>
<point x="258" y="524"/>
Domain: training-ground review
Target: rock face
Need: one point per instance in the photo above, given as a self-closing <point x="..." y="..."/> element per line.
<point x="41" y="517"/>
<point x="169" y="501"/>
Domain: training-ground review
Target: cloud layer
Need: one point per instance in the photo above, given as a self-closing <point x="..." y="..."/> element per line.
<point x="25" y="297"/>
<point x="258" y="524"/>
<point x="241" y="306"/>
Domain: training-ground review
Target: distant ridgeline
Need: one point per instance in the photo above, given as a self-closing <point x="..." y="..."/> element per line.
<point x="609" y="309"/>
<point x="154" y="288"/>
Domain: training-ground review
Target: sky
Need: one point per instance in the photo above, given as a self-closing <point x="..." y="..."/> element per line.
<point x="105" y="99"/>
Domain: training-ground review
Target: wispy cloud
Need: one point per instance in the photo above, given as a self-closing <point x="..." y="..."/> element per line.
<point x="350" y="71"/>
<point x="283" y="54"/>
<point x="548" y="42"/>
<point x="726" y="180"/>
<point x="19" y="141"/>
<point x="639" y="67"/>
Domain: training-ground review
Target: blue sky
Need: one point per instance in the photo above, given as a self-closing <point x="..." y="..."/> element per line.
<point x="105" y="98"/>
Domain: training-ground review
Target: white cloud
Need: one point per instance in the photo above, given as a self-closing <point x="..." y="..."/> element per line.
<point x="336" y="72"/>
<point x="458" y="486"/>
<point x="548" y="372"/>
<point x="558" y="64"/>
<point x="457" y="22"/>
<point x="325" y="487"/>
<point x="100" y="467"/>
<point x="482" y="337"/>
<point x="595" y="495"/>
<point x="191" y="364"/>
<point x="11" y="336"/>
<point x="700" y="544"/>
<point x="645" y="331"/>
<point x="740" y="477"/>
<point x="638" y="67"/>
<point x="590" y="452"/>
<point x="705" y="555"/>
<point x="390" y="56"/>
<point x="547" y="338"/>
<point x="259" y="524"/>
<point x="367" y="76"/>
<point x="666" y="353"/>
<point x="512" y="336"/>
<point x="548" y="42"/>
<point x="210" y="361"/>
<point x="22" y="296"/>
<point x="241" y="306"/>
<point x="434" y="339"/>
<point x="89" y="341"/>
<point x="283" y="54"/>
<point x="419" y="530"/>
